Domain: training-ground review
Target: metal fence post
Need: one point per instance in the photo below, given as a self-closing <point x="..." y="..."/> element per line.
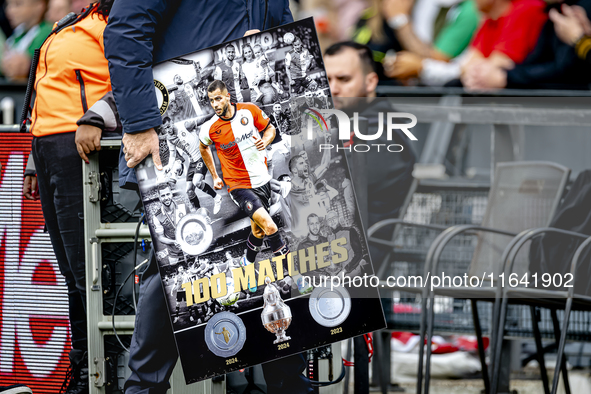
<point x="358" y="164"/>
<point x="361" y="366"/>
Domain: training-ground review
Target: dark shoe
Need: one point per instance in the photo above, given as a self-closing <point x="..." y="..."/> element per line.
<point x="76" y="381"/>
<point x="15" y="389"/>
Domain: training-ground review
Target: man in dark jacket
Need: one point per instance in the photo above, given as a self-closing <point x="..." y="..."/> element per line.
<point x="351" y="73"/>
<point x="142" y="33"/>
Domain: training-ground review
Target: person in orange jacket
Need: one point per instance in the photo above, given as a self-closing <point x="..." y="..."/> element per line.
<point x="72" y="74"/>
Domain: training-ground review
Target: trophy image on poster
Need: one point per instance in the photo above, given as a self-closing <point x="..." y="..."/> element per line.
<point x="276" y="314"/>
<point x="225" y="334"/>
<point x="330" y="306"/>
<point x="194" y="233"/>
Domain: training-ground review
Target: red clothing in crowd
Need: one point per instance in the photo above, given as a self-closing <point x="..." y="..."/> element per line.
<point x="515" y="33"/>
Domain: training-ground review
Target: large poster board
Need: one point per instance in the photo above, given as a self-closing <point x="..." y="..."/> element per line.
<point x="228" y="313"/>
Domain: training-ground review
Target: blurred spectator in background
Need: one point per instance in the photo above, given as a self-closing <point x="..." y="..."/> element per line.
<point x="4" y="23"/>
<point x="439" y="29"/>
<point x="5" y="29"/>
<point x="30" y="30"/>
<point x="348" y="12"/>
<point x="458" y="27"/>
<point x="325" y="19"/>
<point x="509" y="33"/>
<point x="78" y="5"/>
<point x="373" y="30"/>
<point x="574" y="28"/>
<point x="334" y="19"/>
<point x="552" y="64"/>
<point x="57" y="9"/>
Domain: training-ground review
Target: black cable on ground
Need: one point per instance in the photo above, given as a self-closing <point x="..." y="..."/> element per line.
<point x="115" y="303"/>
<point x="135" y="268"/>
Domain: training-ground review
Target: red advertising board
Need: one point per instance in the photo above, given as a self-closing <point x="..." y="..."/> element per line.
<point x="34" y="329"/>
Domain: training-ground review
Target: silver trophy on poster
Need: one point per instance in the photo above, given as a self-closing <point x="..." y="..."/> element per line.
<point x="194" y="233"/>
<point x="276" y="315"/>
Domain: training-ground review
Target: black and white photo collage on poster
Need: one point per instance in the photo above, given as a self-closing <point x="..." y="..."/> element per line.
<point x="239" y="225"/>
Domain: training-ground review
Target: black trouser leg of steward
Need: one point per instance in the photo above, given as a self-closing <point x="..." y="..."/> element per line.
<point x="284" y="376"/>
<point x="153" y="353"/>
<point x="59" y="175"/>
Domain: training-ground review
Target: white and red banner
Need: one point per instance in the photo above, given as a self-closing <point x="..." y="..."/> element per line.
<point x="34" y="328"/>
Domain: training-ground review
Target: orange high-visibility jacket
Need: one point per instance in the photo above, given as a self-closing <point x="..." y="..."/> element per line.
<point x="72" y="75"/>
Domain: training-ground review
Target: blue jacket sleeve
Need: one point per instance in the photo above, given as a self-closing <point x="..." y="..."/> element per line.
<point x="287" y="17"/>
<point x="128" y="38"/>
<point x="278" y="14"/>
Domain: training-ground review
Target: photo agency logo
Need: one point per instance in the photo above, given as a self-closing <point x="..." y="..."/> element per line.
<point x="387" y="123"/>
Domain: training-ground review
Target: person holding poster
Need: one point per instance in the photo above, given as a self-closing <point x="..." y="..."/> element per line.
<point x="167" y="34"/>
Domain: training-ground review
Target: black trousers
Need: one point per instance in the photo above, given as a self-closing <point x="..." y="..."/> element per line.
<point x="59" y="176"/>
<point x="153" y="353"/>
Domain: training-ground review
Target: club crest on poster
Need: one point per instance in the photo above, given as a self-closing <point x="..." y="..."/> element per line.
<point x="245" y="258"/>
